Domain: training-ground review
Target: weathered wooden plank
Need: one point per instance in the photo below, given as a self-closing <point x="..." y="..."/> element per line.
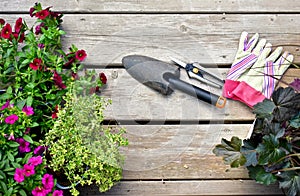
<point x="185" y="187"/>
<point x="208" y="39"/>
<point x="179" y="151"/>
<point x="134" y="101"/>
<point x="156" y="6"/>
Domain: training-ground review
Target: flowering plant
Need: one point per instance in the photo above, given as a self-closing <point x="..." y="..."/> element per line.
<point x="35" y="74"/>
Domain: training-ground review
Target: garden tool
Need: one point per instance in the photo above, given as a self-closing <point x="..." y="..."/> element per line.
<point x="253" y="78"/>
<point x="196" y="71"/>
<point x="164" y="78"/>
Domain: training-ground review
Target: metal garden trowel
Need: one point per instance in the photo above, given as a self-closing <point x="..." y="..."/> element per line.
<point x="164" y="78"/>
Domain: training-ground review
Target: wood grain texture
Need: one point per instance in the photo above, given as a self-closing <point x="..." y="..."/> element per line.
<point x="133" y="101"/>
<point x="181" y="151"/>
<point x="184" y="187"/>
<point x="207" y="39"/>
<point x="156" y="6"/>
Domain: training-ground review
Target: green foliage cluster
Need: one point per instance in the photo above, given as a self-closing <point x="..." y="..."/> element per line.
<point x="272" y="153"/>
<point x="80" y="146"/>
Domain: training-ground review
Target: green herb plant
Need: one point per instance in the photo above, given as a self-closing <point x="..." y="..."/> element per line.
<point x="272" y="153"/>
<point x="81" y="148"/>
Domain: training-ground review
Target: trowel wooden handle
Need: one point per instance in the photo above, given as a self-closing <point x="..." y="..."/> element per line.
<point x="195" y="91"/>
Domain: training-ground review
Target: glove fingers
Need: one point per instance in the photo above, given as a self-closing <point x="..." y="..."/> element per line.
<point x="244" y="44"/>
<point x="283" y="63"/>
<point x="274" y="56"/>
<point x="259" y="47"/>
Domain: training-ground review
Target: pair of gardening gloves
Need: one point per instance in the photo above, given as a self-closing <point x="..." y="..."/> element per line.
<point x="255" y="71"/>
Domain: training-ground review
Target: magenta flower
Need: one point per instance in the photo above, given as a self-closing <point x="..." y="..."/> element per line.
<point x="57" y="193"/>
<point x="34" y="161"/>
<point x="11" y="119"/>
<point x="28" y="170"/>
<point x="38" y="191"/>
<point x="19" y="175"/>
<point x="39" y="150"/>
<point x="11" y="137"/>
<point x="24" y="145"/>
<point x="48" y="181"/>
<point x="28" y="110"/>
<point x="6" y="105"/>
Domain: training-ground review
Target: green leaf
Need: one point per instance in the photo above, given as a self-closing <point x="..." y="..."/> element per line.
<point x="249" y="151"/>
<point x="295" y="122"/>
<point x="261" y="176"/>
<point x="10" y="156"/>
<point x="264" y="109"/>
<point x="290" y="182"/>
<point x="13" y="144"/>
<point x="230" y="151"/>
<point x="21" y="103"/>
<point x="22" y="192"/>
<point x="3" y="185"/>
<point x="29" y="101"/>
<point x="270" y="150"/>
<point x="287" y="102"/>
<point x="28" y="138"/>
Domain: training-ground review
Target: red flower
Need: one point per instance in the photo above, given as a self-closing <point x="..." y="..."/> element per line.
<point x="18" y="25"/>
<point x="103" y="78"/>
<point x="42" y="14"/>
<point x="80" y="55"/>
<point x="2" y="21"/>
<point x="6" y="31"/>
<point x="31" y="11"/>
<point x="36" y="64"/>
<point x="54" y="113"/>
<point x="58" y="81"/>
<point x="22" y="37"/>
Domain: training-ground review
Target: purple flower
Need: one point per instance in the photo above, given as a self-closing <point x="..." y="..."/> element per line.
<point x="41" y="46"/>
<point x="19" y="175"/>
<point x="24" y="146"/>
<point x="38" y="191"/>
<point x="296" y="84"/>
<point x="11" y="119"/>
<point x="34" y="161"/>
<point x="57" y="193"/>
<point x="28" y="170"/>
<point x="28" y="110"/>
<point x="39" y="150"/>
<point x="47" y="181"/>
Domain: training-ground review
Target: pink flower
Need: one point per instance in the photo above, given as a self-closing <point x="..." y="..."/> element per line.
<point x="28" y="110"/>
<point x="28" y="170"/>
<point x="47" y="181"/>
<point x="24" y="146"/>
<point x="19" y="175"/>
<point x="39" y="150"/>
<point x="38" y="191"/>
<point x="34" y="161"/>
<point x="80" y="55"/>
<point x="11" y="119"/>
<point x="57" y="193"/>
<point x="6" y="105"/>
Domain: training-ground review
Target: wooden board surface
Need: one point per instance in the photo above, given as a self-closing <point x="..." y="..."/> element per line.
<point x="156" y="6"/>
<point x="173" y="152"/>
<point x="207" y="39"/>
<point x="195" y="187"/>
<point x="171" y="138"/>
